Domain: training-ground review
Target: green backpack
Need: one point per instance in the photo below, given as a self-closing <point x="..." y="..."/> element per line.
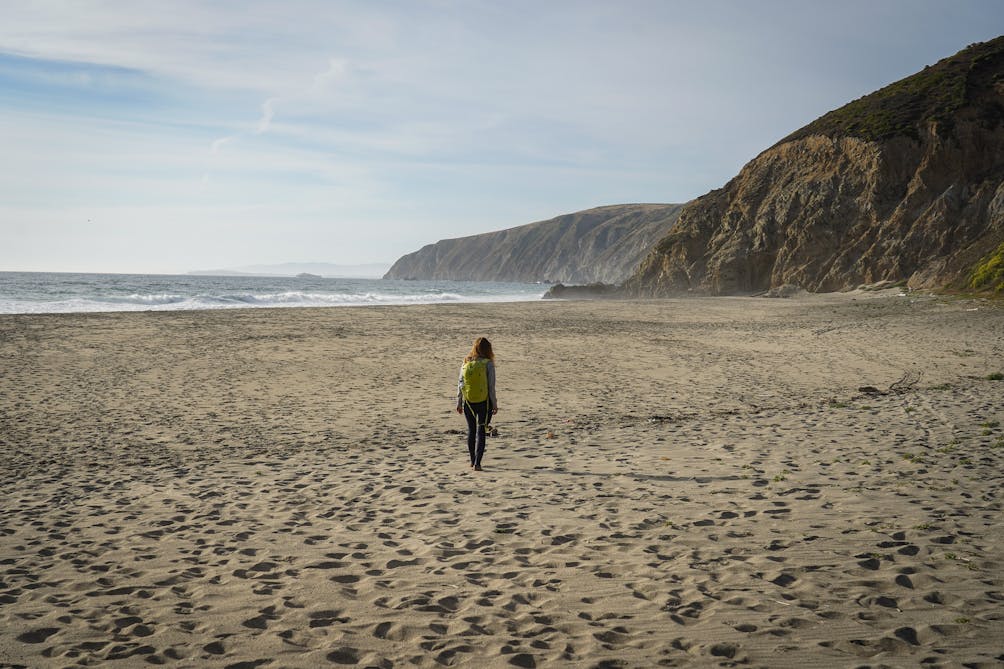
<point x="475" y="374"/>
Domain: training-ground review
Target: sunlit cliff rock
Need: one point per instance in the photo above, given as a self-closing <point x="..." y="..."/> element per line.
<point x="905" y="184"/>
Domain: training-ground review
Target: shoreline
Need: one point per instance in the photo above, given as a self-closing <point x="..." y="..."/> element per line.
<point x="700" y="480"/>
<point x="53" y="293"/>
<point x="576" y="293"/>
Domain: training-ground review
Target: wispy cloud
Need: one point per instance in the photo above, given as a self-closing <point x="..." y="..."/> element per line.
<point x="325" y="81"/>
<point x="267" y="114"/>
<point x="408" y="122"/>
<point x="218" y="144"/>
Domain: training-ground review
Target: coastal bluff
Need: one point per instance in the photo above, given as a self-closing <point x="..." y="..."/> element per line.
<point x="905" y="184"/>
<point x="604" y="244"/>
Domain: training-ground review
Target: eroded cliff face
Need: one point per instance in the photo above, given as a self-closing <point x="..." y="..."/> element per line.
<point x="923" y="202"/>
<point x="831" y="214"/>
<point x="604" y="244"/>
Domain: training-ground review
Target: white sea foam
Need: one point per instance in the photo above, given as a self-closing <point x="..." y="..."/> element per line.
<point x="147" y="299"/>
<point x="54" y="293"/>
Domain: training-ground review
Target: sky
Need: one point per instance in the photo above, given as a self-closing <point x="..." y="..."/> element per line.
<point x="163" y="137"/>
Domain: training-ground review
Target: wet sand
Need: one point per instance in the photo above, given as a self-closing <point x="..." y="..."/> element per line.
<point x="803" y="482"/>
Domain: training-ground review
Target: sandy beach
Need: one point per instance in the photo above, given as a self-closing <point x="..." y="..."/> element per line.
<point x="805" y="482"/>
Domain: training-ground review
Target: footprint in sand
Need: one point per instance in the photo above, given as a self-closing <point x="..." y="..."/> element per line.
<point x="344" y="655"/>
<point x="327" y="618"/>
<point x="261" y="621"/>
<point x="37" y="635"/>
<point x="215" y="648"/>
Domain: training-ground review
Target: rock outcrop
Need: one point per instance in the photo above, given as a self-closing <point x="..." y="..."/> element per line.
<point x="904" y="184"/>
<point x="604" y="244"/>
<point x="590" y="291"/>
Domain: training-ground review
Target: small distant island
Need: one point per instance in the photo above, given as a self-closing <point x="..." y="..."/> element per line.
<point x="308" y="275"/>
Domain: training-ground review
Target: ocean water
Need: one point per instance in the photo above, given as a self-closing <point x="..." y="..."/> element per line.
<point x="38" y="292"/>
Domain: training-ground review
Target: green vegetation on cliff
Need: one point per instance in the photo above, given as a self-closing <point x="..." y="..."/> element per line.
<point x="937" y="93"/>
<point x="988" y="274"/>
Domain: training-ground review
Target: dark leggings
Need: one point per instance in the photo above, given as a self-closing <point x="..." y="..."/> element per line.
<point x="477" y="415"/>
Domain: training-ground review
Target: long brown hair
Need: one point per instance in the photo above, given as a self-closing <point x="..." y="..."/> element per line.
<point x="482" y="349"/>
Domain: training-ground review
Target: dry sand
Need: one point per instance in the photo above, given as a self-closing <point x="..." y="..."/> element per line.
<point x="680" y="482"/>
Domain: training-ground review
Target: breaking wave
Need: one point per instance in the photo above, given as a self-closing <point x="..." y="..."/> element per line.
<point x="56" y="293"/>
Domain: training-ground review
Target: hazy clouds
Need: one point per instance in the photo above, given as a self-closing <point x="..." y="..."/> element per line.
<point x="151" y="136"/>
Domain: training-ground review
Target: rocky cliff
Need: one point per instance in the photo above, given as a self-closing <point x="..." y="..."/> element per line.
<point x="604" y="244"/>
<point x="904" y="184"/>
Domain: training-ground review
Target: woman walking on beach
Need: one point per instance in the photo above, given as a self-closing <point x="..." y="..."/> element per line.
<point x="476" y="396"/>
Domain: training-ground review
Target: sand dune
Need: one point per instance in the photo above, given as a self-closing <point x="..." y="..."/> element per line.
<point x="675" y="483"/>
